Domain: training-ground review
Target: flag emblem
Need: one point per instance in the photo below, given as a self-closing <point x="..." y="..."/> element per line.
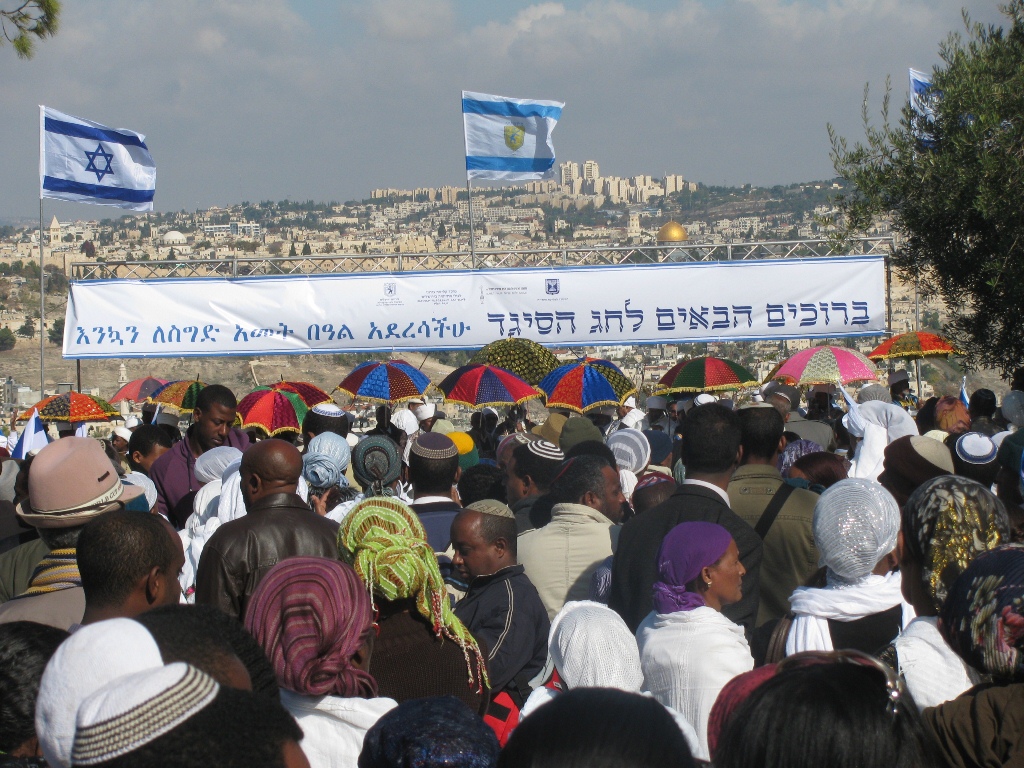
<point x="106" y="158"/>
<point x="514" y="136"/>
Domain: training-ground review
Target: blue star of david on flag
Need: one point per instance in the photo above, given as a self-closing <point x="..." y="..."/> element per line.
<point x="100" y="172"/>
<point x="87" y="162"/>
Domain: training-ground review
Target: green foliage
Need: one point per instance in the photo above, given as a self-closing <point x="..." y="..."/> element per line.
<point x="30" y="19"/>
<point x="88" y="248"/>
<point x="28" y="329"/>
<point x="7" y="339"/>
<point x="292" y="251"/>
<point x="55" y="333"/>
<point x="955" y="197"/>
<point x="306" y="250"/>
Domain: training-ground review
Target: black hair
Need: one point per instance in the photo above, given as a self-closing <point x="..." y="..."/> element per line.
<point x="597" y="728"/>
<point x="494" y="527"/>
<point x="822" y="714"/>
<point x="926" y="416"/>
<point x="430" y="477"/>
<point x="982" y="403"/>
<point x="236" y="730"/>
<point x="822" y="468"/>
<point x="25" y="648"/>
<point x="215" y="394"/>
<point x="207" y="638"/>
<point x="576" y="478"/>
<point x="318" y="423"/>
<point x="117" y="549"/>
<point x="595" y="448"/>
<point x="61" y="538"/>
<point x="761" y="430"/>
<point x="711" y="440"/>
<point x="539" y="469"/>
<point x="482" y="481"/>
<point x="651" y="496"/>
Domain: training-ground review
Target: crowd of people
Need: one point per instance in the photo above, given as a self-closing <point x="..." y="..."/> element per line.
<point x="775" y="584"/>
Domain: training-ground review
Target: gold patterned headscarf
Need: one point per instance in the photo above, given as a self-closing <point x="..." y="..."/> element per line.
<point x="947" y="522"/>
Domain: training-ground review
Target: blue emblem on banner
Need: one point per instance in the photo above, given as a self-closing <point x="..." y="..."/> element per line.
<point x="551" y="286"/>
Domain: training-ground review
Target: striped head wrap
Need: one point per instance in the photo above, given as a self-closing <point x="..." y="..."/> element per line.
<point x="135" y="710"/>
<point x="631" y="449"/>
<point x="376" y="465"/>
<point x="385" y="543"/>
<point x="57" y="571"/>
<point x="309" y="615"/>
<point x="947" y="522"/>
<point x="983" y="616"/>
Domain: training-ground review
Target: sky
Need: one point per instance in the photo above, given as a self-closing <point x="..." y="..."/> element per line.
<point x="299" y="99"/>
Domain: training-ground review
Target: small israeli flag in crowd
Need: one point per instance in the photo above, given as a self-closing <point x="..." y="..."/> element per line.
<point x="86" y="162"/>
<point x="509" y="139"/>
<point x="33" y="437"/>
<point x="963" y="393"/>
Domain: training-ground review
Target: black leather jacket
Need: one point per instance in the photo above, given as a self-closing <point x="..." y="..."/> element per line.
<point x="240" y="552"/>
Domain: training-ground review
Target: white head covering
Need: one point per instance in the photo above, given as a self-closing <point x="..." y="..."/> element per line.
<point x="855" y="525"/>
<point x="326" y="459"/>
<point x="629" y="402"/>
<point x="592" y="647"/>
<point x="633" y="418"/>
<point x="132" y="422"/>
<point x="406" y="421"/>
<point x="1013" y="408"/>
<point x="894" y="420"/>
<point x="631" y="448"/>
<point x="628" y="482"/>
<point x="425" y="411"/>
<point x="92" y="657"/>
<point x="328" y="409"/>
<point x="211" y="465"/>
<point x="137" y="478"/>
<point x="704" y="399"/>
<point x="123" y="432"/>
<point x="657" y="402"/>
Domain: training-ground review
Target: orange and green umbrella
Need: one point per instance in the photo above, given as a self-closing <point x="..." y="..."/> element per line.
<point x="912" y="346"/>
<point x="179" y="395"/>
<point x="274" y="410"/>
<point x="72" y="406"/>
<point x="705" y="374"/>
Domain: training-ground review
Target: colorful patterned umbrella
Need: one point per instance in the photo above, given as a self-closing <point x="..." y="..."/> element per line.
<point x="705" y="374"/>
<point x="526" y="359"/>
<point x="586" y="384"/>
<point x="392" y="382"/>
<point x="72" y="406"/>
<point x="272" y="410"/>
<point x="180" y="395"/>
<point x="311" y="394"/>
<point x="479" y="386"/>
<point x="826" y="365"/>
<point x="912" y="346"/>
<point x="138" y="390"/>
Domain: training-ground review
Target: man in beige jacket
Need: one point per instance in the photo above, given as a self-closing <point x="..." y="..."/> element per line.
<point x="561" y="557"/>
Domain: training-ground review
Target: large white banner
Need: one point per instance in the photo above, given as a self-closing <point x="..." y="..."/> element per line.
<point x="570" y="306"/>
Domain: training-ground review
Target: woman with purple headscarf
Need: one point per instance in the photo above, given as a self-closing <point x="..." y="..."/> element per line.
<point x="312" y="617"/>
<point x="688" y="649"/>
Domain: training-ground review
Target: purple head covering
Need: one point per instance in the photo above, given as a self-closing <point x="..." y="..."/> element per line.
<point x="794" y="451"/>
<point x="686" y="551"/>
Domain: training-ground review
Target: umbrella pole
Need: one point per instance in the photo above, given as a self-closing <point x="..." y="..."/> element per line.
<point x="917" y="329"/>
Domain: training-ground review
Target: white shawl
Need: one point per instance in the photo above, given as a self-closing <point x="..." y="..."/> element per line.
<point x="814" y="607"/>
<point x="687" y="658"/>
<point x="933" y="671"/>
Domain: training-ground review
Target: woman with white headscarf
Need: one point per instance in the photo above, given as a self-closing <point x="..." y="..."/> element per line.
<point x="875" y="424"/>
<point x="590" y="646"/>
<point x="856" y="525"/>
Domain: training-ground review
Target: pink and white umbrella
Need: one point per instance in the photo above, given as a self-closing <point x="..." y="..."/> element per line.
<point x="825" y="365"/>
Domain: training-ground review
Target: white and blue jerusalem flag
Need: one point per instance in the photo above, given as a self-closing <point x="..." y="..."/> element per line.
<point x="923" y="97"/>
<point x="509" y="139"/>
<point x="86" y="162"/>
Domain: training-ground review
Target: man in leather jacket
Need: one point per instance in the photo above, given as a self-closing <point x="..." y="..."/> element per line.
<point x="278" y="525"/>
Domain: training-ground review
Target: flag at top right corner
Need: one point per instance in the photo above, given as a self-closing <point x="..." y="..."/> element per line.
<point x="509" y="139"/>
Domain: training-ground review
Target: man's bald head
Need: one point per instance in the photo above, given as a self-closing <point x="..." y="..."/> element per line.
<point x="270" y="466"/>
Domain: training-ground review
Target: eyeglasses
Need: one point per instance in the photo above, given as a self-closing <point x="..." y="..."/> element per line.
<point x="893" y="685"/>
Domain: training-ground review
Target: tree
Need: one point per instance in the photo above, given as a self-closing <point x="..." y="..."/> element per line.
<point x="442" y="231"/>
<point x="88" y="248"/>
<point x="7" y="340"/>
<point x="950" y="184"/>
<point x="306" y="250"/>
<point x="28" y="329"/>
<point x="55" y="334"/>
<point x="30" y="19"/>
<point x="292" y="252"/>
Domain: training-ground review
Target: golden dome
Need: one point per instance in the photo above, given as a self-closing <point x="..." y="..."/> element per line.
<point x="673" y="232"/>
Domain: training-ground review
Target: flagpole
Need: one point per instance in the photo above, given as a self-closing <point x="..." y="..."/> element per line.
<point x="42" y="303"/>
<point x="472" y="235"/>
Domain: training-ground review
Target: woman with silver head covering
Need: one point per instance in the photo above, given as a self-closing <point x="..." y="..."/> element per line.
<point x="947" y="522"/>
<point x="856" y="527"/>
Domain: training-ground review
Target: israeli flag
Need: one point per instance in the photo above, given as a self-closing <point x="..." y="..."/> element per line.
<point x="923" y="96"/>
<point x="33" y="437"/>
<point x="86" y="162"/>
<point x="963" y="393"/>
<point x="509" y="139"/>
